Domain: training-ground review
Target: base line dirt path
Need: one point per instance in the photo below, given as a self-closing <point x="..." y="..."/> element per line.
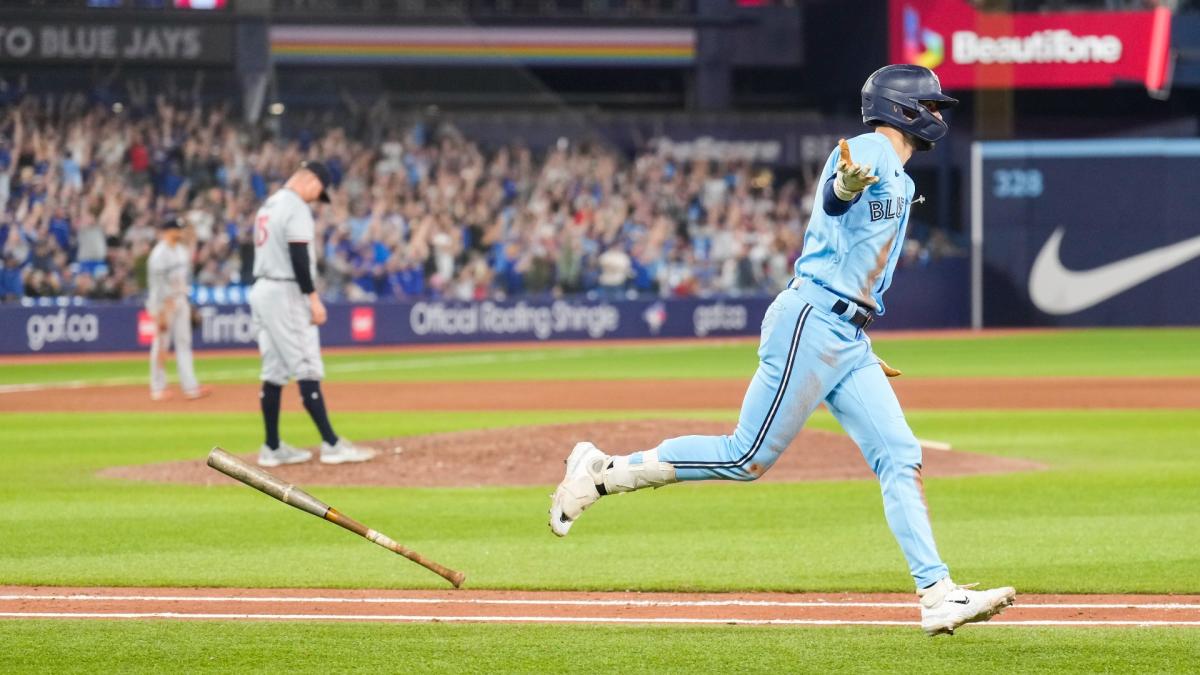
<point x="799" y="609"/>
<point x="641" y="394"/>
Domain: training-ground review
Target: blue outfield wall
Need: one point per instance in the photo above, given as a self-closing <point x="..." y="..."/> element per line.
<point x="936" y="296"/>
<point x="1095" y="232"/>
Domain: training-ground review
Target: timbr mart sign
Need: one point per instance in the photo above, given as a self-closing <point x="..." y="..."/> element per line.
<point x="973" y="49"/>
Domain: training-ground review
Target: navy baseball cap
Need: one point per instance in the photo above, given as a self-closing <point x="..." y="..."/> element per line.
<point x="321" y="171"/>
<point x="172" y="224"/>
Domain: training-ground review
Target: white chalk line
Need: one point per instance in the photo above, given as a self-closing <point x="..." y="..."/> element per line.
<point x="250" y="373"/>
<point x="551" y="619"/>
<point x="555" y="602"/>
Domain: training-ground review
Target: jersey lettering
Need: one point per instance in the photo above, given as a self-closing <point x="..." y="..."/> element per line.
<point x="886" y="209"/>
<point x="260" y="229"/>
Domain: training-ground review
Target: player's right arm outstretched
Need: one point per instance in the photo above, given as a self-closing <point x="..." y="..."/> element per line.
<point x="851" y="178"/>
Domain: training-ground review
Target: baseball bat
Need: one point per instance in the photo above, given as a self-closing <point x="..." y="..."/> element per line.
<point x="293" y="496"/>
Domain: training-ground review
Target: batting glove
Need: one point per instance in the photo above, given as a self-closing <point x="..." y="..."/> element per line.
<point x="852" y="178"/>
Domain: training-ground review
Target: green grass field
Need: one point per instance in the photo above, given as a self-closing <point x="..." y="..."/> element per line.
<point x="324" y="647"/>
<point x="1164" y="352"/>
<point x="1117" y="511"/>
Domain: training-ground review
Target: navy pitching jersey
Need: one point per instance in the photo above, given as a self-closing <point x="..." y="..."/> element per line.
<point x="854" y="254"/>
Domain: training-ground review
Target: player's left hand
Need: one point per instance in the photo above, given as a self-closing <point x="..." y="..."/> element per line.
<point x="318" y="309"/>
<point x="888" y="370"/>
<point x="164" y="315"/>
<point x="852" y="178"/>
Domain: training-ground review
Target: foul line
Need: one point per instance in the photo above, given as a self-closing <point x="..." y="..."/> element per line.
<point x="552" y="602"/>
<point x="250" y="372"/>
<point x="550" y="619"/>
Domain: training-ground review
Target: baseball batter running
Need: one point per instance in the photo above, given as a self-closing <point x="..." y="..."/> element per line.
<point x="168" y="277"/>
<point x="814" y="349"/>
<point x="287" y="312"/>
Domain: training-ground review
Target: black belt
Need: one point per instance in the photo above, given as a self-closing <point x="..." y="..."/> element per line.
<point x="275" y="279"/>
<point x="862" y="318"/>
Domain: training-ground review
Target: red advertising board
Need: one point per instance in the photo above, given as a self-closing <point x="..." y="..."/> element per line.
<point x="147" y="328"/>
<point x="362" y="324"/>
<point x="972" y="49"/>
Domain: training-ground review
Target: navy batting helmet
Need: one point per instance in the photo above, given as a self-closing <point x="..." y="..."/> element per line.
<point x="898" y="96"/>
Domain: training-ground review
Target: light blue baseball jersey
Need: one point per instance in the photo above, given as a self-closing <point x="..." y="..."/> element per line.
<point x="808" y="355"/>
<point x="855" y="253"/>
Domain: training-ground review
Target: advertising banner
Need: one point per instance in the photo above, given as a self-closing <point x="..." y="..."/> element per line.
<point x="930" y="297"/>
<point x="483" y="45"/>
<point x="1087" y="233"/>
<point x="969" y="48"/>
<point x="158" y="42"/>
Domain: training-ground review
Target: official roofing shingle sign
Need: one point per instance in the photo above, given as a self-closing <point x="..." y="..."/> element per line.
<point x="482" y="46"/>
<point x="970" y="49"/>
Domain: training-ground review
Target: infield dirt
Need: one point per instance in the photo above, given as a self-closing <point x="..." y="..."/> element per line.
<point x="533" y="456"/>
<point x="565" y="607"/>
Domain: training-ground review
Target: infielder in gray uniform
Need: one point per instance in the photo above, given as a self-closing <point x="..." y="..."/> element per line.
<point x="168" y="274"/>
<point x="287" y="311"/>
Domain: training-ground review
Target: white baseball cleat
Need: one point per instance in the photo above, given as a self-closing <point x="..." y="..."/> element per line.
<point x="286" y="454"/>
<point x="946" y="605"/>
<point x="344" y="452"/>
<point x="577" y="491"/>
<point x="198" y="393"/>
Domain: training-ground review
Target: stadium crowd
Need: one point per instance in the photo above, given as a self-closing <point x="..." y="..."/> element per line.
<point x="417" y="213"/>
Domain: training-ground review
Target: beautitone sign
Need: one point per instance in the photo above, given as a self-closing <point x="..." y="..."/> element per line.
<point x="969" y="48"/>
<point x="78" y="41"/>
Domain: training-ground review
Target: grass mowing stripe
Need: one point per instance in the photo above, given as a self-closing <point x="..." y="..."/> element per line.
<point x="253" y="647"/>
<point x="374" y="364"/>
<point x="1108" y="352"/>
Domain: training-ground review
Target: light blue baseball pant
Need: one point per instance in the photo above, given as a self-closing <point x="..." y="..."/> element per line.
<point x="808" y="355"/>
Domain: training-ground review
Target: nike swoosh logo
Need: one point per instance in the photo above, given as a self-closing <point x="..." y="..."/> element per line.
<point x="1054" y="289"/>
<point x="964" y="601"/>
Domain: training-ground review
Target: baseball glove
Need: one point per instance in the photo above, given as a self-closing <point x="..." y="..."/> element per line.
<point x="196" y="318"/>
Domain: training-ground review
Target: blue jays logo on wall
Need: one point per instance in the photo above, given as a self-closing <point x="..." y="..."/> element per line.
<point x="1081" y="233"/>
<point x="655" y="316"/>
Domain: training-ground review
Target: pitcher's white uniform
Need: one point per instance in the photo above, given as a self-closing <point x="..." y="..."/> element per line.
<point x="169" y="271"/>
<point x="287" y="339"/>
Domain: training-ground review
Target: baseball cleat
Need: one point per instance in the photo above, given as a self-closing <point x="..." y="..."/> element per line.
<point x="577" y="491"/>
<point x="344" y="452"/>
<point x="160" y="395"/>
<point x="198" y="392"/>
<point x="286" y="454"/>
<point x="946" y="605"/>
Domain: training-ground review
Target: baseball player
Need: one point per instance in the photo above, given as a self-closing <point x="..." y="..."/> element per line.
<point x="813" y="349"/>
<point x="168" y="275"/>
<point x="287" y="312"/>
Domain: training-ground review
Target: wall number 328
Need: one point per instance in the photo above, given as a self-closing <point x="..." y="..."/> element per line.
<point x="1016" y="183"/>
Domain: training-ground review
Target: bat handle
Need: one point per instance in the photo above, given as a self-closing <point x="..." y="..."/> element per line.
<point x="453" y="576"/>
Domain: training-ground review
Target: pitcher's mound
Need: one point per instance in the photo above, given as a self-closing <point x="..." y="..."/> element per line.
<point x="534" y="456"/>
